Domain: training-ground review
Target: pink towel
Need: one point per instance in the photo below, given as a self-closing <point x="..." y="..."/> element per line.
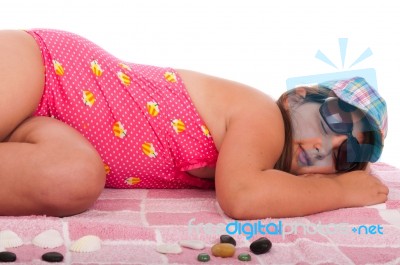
<point x="131" y="223"/>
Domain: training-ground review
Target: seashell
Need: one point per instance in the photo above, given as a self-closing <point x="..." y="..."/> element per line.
<point x="48" y="239"/>
<point x="193" y="244"/>
<point x="169" y="249"/>
<point x="9" y="239"/>
<point x="85" y="244"/>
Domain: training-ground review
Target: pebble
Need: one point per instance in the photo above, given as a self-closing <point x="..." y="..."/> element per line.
<point x="227" y="239"/>
<point x="169" y="249"/>
<point x="261" y="246"/>
<point x="193" y="244"/>
<point x="6" y="256"/>
<point x="223" y="250"/>
<point x="52" y="257"/>
<point x="244" y="257"/>
<point x="203" y="257"/>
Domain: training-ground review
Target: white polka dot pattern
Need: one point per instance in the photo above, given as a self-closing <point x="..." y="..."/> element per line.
<point x="139" y="118"/>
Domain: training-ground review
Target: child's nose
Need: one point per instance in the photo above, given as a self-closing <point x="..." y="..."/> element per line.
<point x="325" y="145"/>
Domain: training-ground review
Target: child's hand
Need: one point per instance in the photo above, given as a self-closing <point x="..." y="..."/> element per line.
<point x="360" y="188"/>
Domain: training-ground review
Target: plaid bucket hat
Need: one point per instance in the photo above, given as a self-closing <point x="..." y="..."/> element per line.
<point x="358" y="93"/>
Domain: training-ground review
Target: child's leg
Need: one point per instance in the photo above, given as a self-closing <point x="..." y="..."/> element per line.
<point x="21" y="79"/>
<point x="47" y="167"/>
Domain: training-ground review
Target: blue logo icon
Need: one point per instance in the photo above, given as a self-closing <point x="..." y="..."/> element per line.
<point x="368" y="74"/>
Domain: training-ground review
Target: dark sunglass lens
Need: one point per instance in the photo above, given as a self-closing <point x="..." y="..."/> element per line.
<point x="337" y="119"/>
<point x="341" y="160"/>
<point x="348" y="156"/>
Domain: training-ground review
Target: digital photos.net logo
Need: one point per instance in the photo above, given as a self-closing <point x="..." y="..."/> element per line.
<point x="281" y="228"/>
<point x="368" y="74"/>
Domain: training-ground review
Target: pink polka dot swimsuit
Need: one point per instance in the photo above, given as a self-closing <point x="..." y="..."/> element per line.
<point x="139" y="118"/>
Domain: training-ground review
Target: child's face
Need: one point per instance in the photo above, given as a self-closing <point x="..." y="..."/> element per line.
<point x="315" y="145"/>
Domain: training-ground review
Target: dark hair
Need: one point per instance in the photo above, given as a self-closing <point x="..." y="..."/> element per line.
<point x="313" y="94"/>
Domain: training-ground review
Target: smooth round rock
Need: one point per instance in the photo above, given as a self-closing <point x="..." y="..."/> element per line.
<point x="7" y="256"/>
<point x="244" y="257"/>
<point x="223" y="250"/>
<point x="227" y="239"/>
<point x="193" y="244"/>
<point x="169" y="249"/>
<point x="52" y="257"/>
<point x="261" y="246"/>
<point x="203" y="257"/>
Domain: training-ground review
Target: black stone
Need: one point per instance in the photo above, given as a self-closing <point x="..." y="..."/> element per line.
<point x="261" y="246"/>
<point x="52" y="257"/>
<point x="6" y="256"/>
<point x="227" y="239"/>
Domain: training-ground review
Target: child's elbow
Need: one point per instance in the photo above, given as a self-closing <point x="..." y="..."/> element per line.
<point x="241" y="209"/>
<point x="234" y="212"/>
<point x="230" y="205"/>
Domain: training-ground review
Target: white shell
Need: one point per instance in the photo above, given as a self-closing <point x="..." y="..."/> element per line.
<point x="9" y="239"/>
<point x="88" y="243"/>
<point x="193" y="244"/>
<point x="48" y="239"/>
<point x="169" y="249"/>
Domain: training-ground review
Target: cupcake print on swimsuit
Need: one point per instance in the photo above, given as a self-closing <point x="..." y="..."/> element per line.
<point x="96" y="68"/>
<point x="58" y="68"/>
<point x="88" y="98"/>
<point x="125" y="79"/>
<point x="149" y="150"/>
<point x="178" y="125"/>
<point x="152" y="108"/>
<point x="205" y="131"/>
<point x="132" y="181"/>
<point x="119" y="130"/>
<point x="170" y="77"/>
<point x="125" y="66"/>
<point x="107" y="168"/>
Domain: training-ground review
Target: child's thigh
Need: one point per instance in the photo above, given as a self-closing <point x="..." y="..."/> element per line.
<point x="58" y="144"/>
<point x="21" y="79"/>
<point x="68" y="172"/>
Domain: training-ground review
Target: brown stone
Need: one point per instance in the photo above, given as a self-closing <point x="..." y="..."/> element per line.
<point x="223" y="250"/>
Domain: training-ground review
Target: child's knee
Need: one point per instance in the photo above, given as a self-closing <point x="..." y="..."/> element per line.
<point x="75" y="187"/>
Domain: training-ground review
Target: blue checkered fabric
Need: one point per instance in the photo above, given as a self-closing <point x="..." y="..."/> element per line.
<point x="357" y="92"/>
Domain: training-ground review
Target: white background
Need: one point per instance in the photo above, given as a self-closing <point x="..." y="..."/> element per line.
<point x="259" y="43"/>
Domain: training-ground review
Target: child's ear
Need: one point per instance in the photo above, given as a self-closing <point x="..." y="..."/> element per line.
<point x="294" y="97"/>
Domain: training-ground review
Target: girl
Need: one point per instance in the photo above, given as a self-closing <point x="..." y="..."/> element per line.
<point x="74" y="119"/>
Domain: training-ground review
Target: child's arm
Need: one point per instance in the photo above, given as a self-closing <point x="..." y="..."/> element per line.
<point x="248" y="188"/>
<point x="274" y="193"/>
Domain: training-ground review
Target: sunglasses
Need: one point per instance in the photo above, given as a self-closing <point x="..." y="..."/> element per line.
<point x="337" y="115"/>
